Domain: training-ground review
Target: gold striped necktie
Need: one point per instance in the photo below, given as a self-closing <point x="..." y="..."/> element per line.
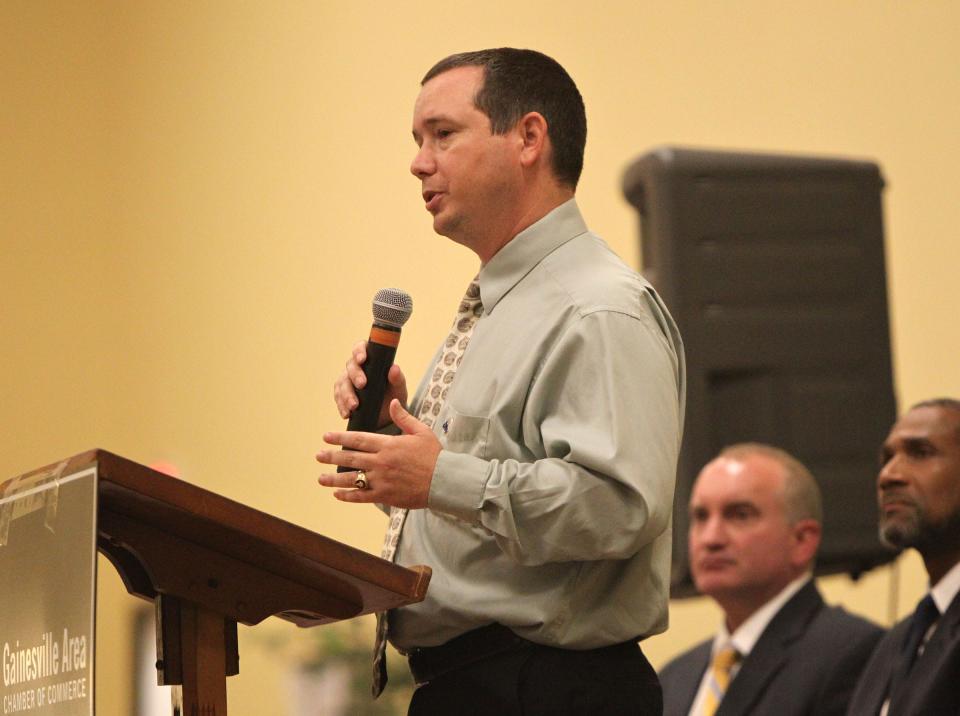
<point x="723" y="663"/>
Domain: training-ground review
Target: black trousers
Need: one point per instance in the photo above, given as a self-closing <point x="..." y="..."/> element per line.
<point x="540" y="680"/>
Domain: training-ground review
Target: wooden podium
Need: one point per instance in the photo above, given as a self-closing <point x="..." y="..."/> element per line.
<point x="208" y="562"/>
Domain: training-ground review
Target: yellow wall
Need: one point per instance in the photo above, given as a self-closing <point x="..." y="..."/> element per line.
<point x="198" y="199"/>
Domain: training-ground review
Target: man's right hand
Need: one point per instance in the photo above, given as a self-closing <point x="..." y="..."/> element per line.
<point x="353" y="378"/>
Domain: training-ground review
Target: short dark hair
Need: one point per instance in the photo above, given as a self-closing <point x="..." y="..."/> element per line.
<point x="946" y="403"/>
<point x="516" y="82"/>
<point x="951" y="404"/>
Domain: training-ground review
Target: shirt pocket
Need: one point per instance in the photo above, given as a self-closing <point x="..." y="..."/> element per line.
<point x="466" y="434"/>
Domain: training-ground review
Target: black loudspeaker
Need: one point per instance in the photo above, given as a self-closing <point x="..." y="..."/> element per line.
<point x="773" y="268"/>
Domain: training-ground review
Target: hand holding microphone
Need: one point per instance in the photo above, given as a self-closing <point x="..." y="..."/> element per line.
<point x="364" y="390"/>
<point x="393" y="470"/>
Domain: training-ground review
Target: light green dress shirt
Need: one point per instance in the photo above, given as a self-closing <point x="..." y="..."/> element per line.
<point x="550" y="506"/>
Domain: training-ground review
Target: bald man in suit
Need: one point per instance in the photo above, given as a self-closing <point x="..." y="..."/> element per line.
<point x="755" y="517"/>
<point x="916" y="668"/>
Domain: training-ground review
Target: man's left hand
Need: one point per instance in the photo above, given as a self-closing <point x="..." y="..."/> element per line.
<point x="398" y="468"/>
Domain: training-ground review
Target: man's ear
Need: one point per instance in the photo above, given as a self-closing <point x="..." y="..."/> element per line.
<point x="806" y="541"/>
<point x="532" y="129"/>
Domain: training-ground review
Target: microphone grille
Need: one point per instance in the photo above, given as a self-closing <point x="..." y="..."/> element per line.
<point x="392" y="307"/>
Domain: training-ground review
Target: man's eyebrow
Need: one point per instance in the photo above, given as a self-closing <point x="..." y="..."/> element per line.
<point x="910" y="442"/>
<point x="917" y="442"/>
<point x="724" y="505"/>
<point x="431" y="122"/>
<point x="740" y="505"/>
<point x="437" y="119"/>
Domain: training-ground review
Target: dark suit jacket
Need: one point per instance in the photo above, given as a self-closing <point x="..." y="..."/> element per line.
<point x="805" y="663"/>
<point x="933" y="685"/>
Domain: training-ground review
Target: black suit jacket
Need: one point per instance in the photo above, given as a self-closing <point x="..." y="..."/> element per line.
<point x="933" y="685"/>
<point x="805" y="663"/>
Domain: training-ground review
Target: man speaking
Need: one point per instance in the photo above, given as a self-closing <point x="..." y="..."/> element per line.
<point x="534" y="470"/>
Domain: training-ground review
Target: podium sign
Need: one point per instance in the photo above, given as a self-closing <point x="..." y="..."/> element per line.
<point x="206" y="562"/>
<point x="48" y="547"/>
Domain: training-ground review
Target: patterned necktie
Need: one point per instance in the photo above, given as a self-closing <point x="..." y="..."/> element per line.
<point x="433" y="398"/>
<point x="723" y="662"/>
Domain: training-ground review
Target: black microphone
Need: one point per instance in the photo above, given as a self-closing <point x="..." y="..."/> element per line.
<point x="391" y="309"/>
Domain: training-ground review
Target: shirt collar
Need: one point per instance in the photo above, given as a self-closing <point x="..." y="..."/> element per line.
<point x="746" y="636"/>
<point x="528" y="248"/>
<point x="944" y="591"/>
